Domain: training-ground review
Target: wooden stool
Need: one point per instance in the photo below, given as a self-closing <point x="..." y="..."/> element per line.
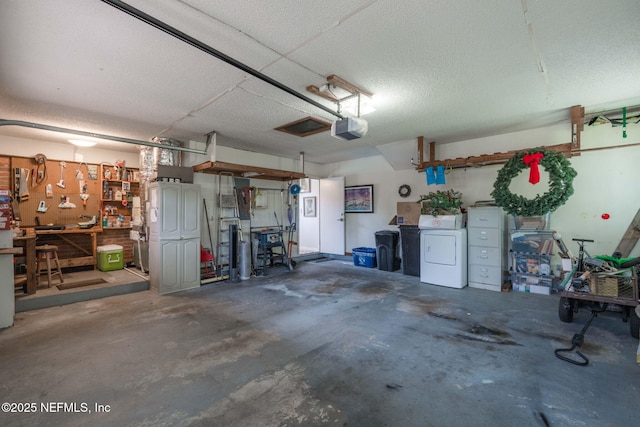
<point x="44" y="254"/>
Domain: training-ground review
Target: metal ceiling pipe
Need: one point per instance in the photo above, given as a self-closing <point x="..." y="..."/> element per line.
<point x="4" y="122"/>
<point x="136" y="13"/>
<point x="302" y="161"/>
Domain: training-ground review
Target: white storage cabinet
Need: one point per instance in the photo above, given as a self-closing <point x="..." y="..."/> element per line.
<point x="173" y="217"/>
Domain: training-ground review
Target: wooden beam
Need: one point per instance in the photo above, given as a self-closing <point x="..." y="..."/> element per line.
<point x="11" y="251"/>
<point x="420" y="150"/>
<point x="577" y="125"/>
<point x="72" y="243"/>
<point x="489" y="159"/>
<point x="432" y="151"/>
<point x="77" y="262"/>
<point x="337" y="81"/>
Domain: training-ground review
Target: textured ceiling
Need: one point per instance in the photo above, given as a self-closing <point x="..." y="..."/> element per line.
<point x="450" y="71"/>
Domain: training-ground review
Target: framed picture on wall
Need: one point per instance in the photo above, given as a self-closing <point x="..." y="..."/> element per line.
<point x="305" y="185"/>
<point x="358" y="199"/>
<point x="309" y="204"/>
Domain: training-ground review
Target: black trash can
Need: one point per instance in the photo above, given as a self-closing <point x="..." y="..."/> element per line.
<point x="410" y="243"/>
<point x="387" y="249"/>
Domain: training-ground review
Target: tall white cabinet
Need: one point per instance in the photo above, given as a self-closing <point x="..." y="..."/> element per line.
<point x="173" y="218"/>
<point x="486" y="247"/>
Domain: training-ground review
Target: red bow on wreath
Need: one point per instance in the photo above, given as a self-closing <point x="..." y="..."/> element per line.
<point x="533" y="160"/>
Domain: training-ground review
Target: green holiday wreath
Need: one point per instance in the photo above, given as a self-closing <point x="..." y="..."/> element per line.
<point x="561" y="176"/>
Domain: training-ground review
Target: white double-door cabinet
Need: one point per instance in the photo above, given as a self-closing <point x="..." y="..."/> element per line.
<point x="173" y="218"/>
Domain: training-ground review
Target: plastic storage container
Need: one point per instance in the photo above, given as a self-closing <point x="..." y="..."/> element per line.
<point x="364" y="257"/>
<point x="387" y="247"/>
<point x="410" y="243"/>
<point x="110" y="257"/>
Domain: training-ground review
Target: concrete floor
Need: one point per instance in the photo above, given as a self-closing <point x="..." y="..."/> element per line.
<point x="328" y="344"/>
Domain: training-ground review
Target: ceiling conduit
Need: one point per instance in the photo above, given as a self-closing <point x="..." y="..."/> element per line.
<point x="4" y="122"/>
<point x="136" y="13"/>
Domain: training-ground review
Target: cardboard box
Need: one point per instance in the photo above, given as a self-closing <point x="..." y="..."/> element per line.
<point x="447" y="222"/>
<point x="408" y="213"/>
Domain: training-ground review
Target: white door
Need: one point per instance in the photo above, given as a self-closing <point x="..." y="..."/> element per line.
<point x="191" y="210"/>
<point x="164" y="274"/>
<point x="331" y="215"/>
<point x="190" y="257"/>
<point x="164" y="212"/>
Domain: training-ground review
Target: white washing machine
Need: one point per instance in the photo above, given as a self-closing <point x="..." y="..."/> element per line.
<point x="443" y="257"/>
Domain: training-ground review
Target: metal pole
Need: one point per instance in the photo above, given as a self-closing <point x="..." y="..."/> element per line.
<point x="154" y="22"/>
<point x="4" y="122"/>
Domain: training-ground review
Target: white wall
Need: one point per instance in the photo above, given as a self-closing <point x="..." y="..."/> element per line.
<point x="605" y="184"/>
<point x="309" y="227"/>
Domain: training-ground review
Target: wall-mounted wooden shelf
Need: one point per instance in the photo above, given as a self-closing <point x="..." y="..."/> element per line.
<point x="569" y="149"/>
<point x="489" y="159"/>
<point x="246" y="171"/>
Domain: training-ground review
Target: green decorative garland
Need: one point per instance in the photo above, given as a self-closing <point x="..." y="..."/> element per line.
<point x="561" y="176"/>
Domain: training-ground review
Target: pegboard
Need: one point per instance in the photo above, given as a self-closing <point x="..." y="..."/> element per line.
<point x="54" y="175"/>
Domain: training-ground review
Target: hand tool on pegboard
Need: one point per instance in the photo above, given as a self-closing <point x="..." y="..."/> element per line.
<point x="61" y="182"/>
<point x="21" y="184"/>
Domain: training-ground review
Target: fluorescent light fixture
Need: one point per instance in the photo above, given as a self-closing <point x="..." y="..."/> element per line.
<point x="350" y="105"/>
<point x="250" y="174"/>
<point x="82" y="142"/>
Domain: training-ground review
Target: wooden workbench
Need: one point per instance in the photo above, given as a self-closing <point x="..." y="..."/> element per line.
<point x="90" y="257"/>
<point x="27" y="246"/>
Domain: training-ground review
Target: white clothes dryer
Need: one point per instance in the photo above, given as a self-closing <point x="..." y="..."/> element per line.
<point x="443" y="257"/>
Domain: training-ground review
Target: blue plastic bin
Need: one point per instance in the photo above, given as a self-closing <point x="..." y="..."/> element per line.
<point x="364" y="257"/>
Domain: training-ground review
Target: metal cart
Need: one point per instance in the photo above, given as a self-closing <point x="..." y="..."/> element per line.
<point x="601" y="290"/>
